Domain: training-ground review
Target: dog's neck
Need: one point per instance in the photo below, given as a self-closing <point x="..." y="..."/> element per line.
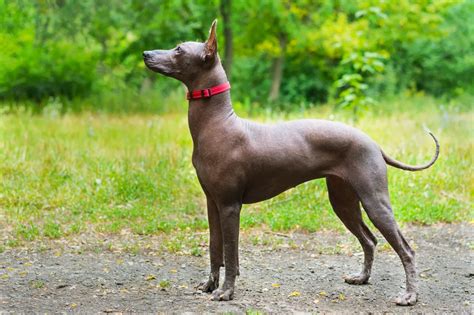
<point x="207" y="113"/>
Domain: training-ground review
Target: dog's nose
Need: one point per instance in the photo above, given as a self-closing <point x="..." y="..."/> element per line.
<point x="146" y="54"/>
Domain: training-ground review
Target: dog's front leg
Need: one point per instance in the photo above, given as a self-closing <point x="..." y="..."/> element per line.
<point x="215" y="247"/>
<point x="230" y="219"/>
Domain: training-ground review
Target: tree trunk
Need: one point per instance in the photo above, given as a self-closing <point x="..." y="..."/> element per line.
<point x="226" y="6"/>
<point x="278" y="70"/>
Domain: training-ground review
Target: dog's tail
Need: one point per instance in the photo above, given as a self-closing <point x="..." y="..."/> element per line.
<point x="392" y="162"/>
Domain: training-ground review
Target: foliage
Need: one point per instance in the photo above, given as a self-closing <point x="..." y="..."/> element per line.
<point x="64" y="175"/>
<point x="352" y="86"/>
<point x="446" y="65"/>
<point x="350" y="51"/>
<point x="35" y="67"/>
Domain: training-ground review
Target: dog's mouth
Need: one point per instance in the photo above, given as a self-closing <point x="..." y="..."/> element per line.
<point x="156" y="67"/>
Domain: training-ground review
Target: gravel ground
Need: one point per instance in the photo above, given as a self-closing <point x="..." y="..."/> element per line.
<point x="284" y="278"/>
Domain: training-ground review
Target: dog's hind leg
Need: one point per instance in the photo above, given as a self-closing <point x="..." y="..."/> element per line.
<point x="345" y="203"/>
<point x="372" y="189"/>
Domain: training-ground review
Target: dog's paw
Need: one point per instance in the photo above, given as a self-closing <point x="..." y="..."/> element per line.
<point x="407" y="299"/>
<point x="222" y="295"/>
<point x="357" y="279"/>
<point x="208" y="286"/>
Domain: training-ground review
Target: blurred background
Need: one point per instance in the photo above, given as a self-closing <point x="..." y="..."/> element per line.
<point x="278" y="54"/>
<point x="92" y="141"/>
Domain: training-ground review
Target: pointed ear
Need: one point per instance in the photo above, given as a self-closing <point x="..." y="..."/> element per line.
<point x="210" y="50"/>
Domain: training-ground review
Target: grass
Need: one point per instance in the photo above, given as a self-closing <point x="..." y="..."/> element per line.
<point x="61" y="175"/>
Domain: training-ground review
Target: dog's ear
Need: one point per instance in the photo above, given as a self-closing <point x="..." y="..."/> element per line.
<point x="210" y="49"/>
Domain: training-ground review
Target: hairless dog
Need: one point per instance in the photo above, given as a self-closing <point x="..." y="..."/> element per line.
<point x="239" y="162"/>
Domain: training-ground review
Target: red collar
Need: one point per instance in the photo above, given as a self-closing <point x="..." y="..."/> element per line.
<point x="206" y="93"/>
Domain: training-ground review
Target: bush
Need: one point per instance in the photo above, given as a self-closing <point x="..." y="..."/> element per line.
<point x="58" y="69"/>
<point x="444" y="66"/>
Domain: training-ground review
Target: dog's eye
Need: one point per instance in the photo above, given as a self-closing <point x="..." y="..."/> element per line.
<point x="178" y="49"/>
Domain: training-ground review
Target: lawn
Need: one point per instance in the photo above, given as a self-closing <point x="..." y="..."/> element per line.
<point x="61" y="175"/>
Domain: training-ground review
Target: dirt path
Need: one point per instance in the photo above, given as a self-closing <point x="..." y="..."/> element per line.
<point x="288" y="278"/>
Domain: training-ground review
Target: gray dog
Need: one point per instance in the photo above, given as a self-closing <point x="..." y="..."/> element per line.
<point x="239" y="161"/>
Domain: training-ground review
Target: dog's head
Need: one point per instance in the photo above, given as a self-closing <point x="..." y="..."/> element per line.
<point x="187" y="61"/>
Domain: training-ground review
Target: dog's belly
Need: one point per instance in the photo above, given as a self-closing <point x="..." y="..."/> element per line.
<point x="266" y="185"/>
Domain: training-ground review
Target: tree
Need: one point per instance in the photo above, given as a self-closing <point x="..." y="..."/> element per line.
<point x="277" y="67"/>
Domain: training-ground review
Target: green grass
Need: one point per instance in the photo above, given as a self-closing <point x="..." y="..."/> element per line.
<point x="64" y="175"/>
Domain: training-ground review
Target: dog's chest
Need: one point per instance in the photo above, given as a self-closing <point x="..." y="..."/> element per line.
<point x="218" y="169"/>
